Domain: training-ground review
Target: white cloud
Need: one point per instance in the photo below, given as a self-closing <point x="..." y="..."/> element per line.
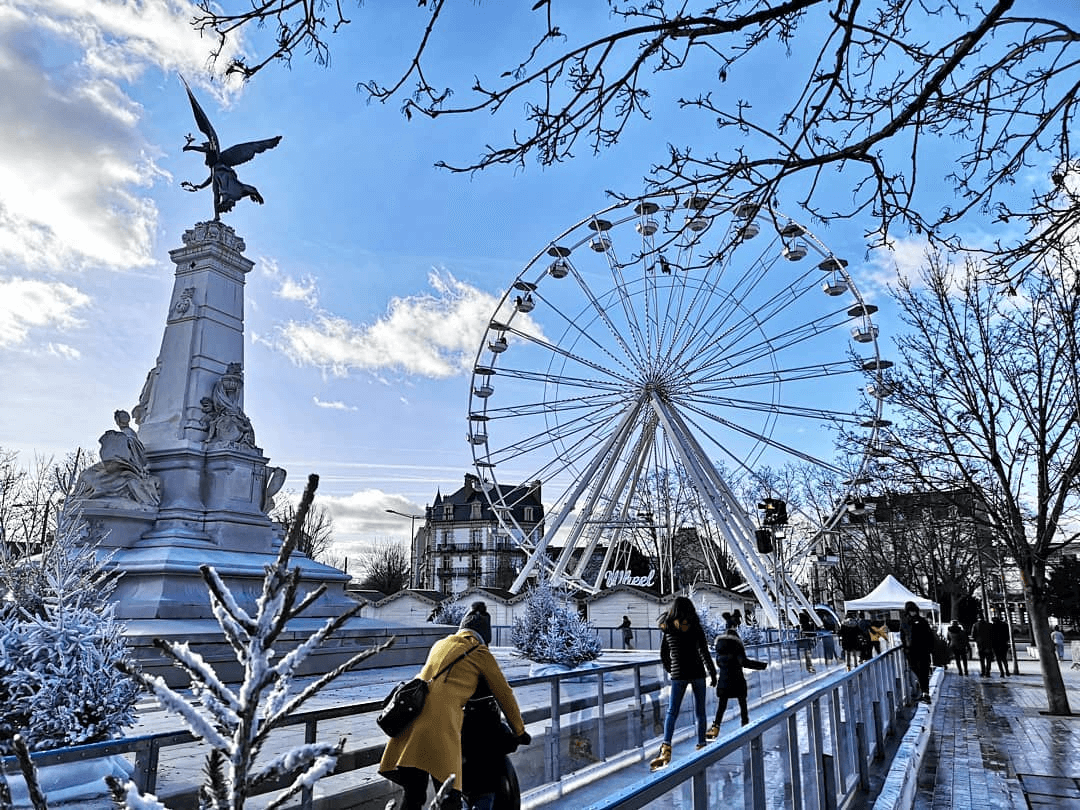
<point x="26" y="304"/>
<point x="75" y="173"/>
<point x="433" y="335"/>
<point x="363" y="514"/>
<point x="334" y="406"/>
<point x="304" y="290"/>
<point x="885" y="267"/>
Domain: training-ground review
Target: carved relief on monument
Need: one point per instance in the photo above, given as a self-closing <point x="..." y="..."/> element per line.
<point x="146" y="396"/>
<point x="122" y="473"/>
<point x="183" y="303"/>
<point x="214" y="231"/>
<point x="275" y="480"/>
<point x="224" y="420"/>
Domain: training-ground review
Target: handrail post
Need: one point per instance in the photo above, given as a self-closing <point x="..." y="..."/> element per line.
<point x="639" y="726"/>
<point x="601" y="742"/>
<point x="554" y="747"/>
<point x="311" y="735"/>
<point x="146" y="765"/>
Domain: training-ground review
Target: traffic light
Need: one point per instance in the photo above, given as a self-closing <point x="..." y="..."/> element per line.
<point x="764" y="541"/>
<point x="775" y="512"/>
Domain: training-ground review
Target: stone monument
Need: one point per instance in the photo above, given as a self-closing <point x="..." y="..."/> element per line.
<point x="192" y="487"/>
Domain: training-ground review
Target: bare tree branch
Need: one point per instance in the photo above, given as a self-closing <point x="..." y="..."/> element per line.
<point x="878" y="89"/>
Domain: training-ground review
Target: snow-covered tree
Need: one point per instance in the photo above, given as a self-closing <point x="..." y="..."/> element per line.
<point x="551" y="631"/>
<point x="450" y="611"/>
<point x="59" y="645"/>
<point x="236" y="722"/>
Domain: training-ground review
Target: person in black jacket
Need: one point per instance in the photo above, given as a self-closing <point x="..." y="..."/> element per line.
<point x="851" y="640"/>
<point x="983" y="634"/>
<point x="918" y="641"/>
<point x="958" y="646"/>
<point x="684" y="653"/>
<point x="1000" y="631"/>
<point x="488" y="778"/>
<point x="730" y="682"/>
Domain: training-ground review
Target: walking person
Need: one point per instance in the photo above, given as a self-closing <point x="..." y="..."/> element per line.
<point x="918" y="641"/>
<point x="958" y="646"/>
<point x="430" y="748"/>
<point x="1000" y="643"/>
<point x="879" y="636"/>
<point x="983" y="634"/>
<point x="627" y="634"/>
<point x="851" y="640"/>
<point x="730" y="682"/>
<point x="685" y="656"/>
<point x="1059" y="642"/>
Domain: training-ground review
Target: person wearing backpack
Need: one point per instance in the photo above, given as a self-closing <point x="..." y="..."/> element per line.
<point x="430" y="747"/>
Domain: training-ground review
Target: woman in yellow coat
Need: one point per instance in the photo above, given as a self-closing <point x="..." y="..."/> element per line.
<point x="431" y="746"/>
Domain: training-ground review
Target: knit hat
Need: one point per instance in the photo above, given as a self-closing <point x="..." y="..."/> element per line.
<point x="478" y="620"/>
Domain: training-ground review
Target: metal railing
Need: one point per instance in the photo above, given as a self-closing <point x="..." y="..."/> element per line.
<point x="564" y="696"/>
<point x="813" y="753"/>
<point x="835" y="728"/>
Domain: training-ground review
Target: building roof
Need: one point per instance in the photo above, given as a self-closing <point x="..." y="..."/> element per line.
<point x="432" y="598"/>
<point x="472" y="492"/>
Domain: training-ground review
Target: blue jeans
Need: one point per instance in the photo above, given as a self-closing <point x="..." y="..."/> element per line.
<point x="678" y="689"/>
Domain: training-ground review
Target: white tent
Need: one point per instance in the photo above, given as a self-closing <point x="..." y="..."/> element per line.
<point x="889" y="595"/>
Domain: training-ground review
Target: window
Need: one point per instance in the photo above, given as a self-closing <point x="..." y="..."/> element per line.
<point x="476" y="536"/>
<point x="530" y="514"/>
<point x="448" y="512"/>
<point x="475" y="512"/>
<point x="447" y="537"/>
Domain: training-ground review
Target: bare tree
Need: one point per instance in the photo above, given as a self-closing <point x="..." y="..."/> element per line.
<point x="316" y="534"/>
<point x="386" y="567"/>
<point x="876" y="86"/>
<point x="987" y="386"/>
<point x="30" y="499"/>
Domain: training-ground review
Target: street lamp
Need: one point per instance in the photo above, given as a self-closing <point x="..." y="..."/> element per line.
<point x="412" y="540"/>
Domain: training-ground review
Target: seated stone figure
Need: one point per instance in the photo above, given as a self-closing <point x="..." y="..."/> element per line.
<point x="224" y="420"/>
<point x="123" y="472"/>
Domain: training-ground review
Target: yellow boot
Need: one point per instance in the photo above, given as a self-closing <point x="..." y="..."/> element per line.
<point x="663" y="758"/>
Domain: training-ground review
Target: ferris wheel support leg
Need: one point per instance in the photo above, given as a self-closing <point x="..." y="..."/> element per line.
<point x="551" y="530"/>
<point x="732" y="520"/>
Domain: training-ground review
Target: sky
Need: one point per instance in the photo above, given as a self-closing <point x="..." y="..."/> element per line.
<point x="376" y="273"/>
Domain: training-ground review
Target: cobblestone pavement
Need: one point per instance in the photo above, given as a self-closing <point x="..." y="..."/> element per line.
<point x="993" y="747"/>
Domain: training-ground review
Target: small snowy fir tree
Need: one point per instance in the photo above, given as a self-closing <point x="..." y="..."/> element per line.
<point x="450" y="611"/>
<point x="235" y="722"/>
<point x="59" y="646"/>
<point x="713" y="622"/>
<point x="551" y="631"/>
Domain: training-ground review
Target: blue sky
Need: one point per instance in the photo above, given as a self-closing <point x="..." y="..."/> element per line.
<point x="376" y="273"/>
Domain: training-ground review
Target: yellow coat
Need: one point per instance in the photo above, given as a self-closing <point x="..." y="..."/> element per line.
<point x="433" y="742"/>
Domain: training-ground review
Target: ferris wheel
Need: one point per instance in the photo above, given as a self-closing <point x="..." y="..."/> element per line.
<point x="648" y="362"/>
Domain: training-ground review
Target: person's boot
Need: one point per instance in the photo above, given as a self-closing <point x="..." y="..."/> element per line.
<point x="713" y="732"/>
<point x="663" y="758"/>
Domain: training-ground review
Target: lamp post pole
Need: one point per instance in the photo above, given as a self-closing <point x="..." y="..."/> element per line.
<point x="415" y="559"/>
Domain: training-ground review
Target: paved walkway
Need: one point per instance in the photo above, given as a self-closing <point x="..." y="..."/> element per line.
<point x="992" y="746"/>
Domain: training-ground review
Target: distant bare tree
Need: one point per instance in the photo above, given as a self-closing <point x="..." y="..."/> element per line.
<point x="987" y="388"/>
<point x="316" y="534"/>
<point x="30" y="497"/>
<point x="386" y="567"/>
<point x="872" y="89"/>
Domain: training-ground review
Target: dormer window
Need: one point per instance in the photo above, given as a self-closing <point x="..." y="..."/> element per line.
<point x="530" y="514"/>
<point x="448" y="512"/>
<point x="475" y="513"/>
